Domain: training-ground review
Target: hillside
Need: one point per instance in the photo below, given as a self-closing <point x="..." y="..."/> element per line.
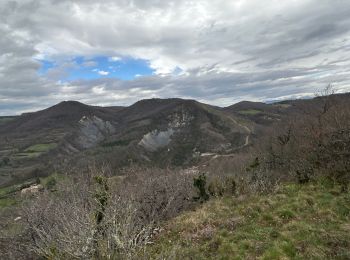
<point x="296" y="222"/>
<point x="158" y="132"/>
<point x="258" y="112"/>
<point x="30" y="143"/>
<point x="161" y="132"/>
<point x="178" y="179"/>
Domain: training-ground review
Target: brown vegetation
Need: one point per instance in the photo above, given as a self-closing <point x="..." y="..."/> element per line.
<point x="110" y="214"/>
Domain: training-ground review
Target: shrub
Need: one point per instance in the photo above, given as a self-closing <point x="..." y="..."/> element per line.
<point x="51" y="183"/>
<point x="216" y="187"/>
<point x="303" y="176"/>
<point x="200" y="183"/>
<point x="95" y="216"/>
<point x="220" y="186"/>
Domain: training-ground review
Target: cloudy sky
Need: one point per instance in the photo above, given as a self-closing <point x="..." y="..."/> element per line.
<point x="219" y="52"/>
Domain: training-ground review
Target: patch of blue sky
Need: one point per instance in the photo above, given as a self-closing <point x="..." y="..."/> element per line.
<point x="45" y="66"/>
<point x="102" y="67"/>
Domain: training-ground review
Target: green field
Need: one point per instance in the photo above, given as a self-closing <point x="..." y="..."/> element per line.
<point x="27" y="155"/>
<point x="5" y="119"/>
<point x="40" y="148"/>
<point x="250" y="112"/>
<point x="5" y="191"/>
<point x="297" y="222"/>
<point x="35" y="151"/>
<point x="8" y="194"/>
<point x="6" y="198"/>
<point x="7" y="202"/>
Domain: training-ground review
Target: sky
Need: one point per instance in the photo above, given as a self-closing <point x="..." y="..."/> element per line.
<point x="116" y="52"/>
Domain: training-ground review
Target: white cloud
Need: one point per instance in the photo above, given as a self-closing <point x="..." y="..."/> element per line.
<point x="225" y="50"/>
<point x="103" y="73"/>
<point x="115" y="58"/>
<point x="98" y="90"/>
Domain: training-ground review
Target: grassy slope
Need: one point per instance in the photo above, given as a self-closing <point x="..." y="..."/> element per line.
<point x="35" y="150"/>
<point x="6" y="200"/>
<point x="9" y="196"/>
<point x="297" y="222"/>
<point x="5" y="119"/>
<point x="250" y="112"/>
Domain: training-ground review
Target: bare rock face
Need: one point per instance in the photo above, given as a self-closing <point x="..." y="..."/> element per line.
<point x="93" y="130"/>
<point x="157" y="139"/>
<point x="180" y="119"/>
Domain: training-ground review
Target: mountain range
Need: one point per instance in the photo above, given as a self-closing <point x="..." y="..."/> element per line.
<point x="162" y="132"/>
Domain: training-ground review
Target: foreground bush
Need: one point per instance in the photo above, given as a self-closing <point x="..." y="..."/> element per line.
<point x="104" y="217"/>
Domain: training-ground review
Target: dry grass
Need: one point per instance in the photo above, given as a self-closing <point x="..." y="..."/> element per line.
<point x="296" y="222"/>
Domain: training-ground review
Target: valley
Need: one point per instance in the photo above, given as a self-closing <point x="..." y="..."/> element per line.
<point x="178" y="178"/>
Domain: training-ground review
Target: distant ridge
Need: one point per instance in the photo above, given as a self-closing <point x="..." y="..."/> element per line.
<point x="163" y="132"/>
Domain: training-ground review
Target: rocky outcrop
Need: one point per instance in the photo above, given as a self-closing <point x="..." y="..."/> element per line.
<point x="157" y="139"/>
<point x="93" y="130"/>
